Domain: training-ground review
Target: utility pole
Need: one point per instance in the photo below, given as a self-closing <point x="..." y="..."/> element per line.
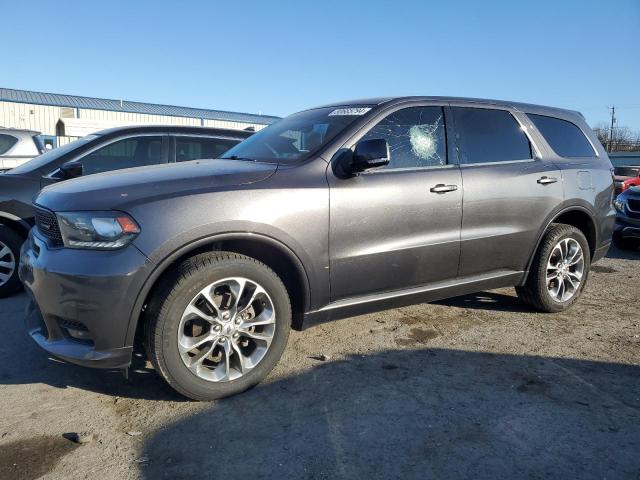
<point x="613" y="120"/>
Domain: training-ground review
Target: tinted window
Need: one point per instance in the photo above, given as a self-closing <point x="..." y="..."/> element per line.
<point x="127" y="153"/>
<point x="415" y="136"/>
<point x="297" y="136"/>
<point x="489" y="136"/>
<point x="193" y="148"/>
<point x="6" y="142"/>
<point x="566" y="139"/>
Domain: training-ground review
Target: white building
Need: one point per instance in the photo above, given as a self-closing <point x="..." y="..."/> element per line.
<point x="63" y="118"/>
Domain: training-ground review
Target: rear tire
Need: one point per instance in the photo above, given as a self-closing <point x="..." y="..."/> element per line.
<point x="622" y="243"/>
<point x="236" y="302"/>
<point x="542" y="289"/>
<point x="10" y="243"/>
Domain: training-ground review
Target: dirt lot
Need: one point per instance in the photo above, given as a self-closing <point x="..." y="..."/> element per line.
<point x="474" y="387"/>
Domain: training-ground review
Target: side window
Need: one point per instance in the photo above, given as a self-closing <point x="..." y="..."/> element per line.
<point x="486" y="135"/>
<point x="127" y="153"/>
<point x="415" y="135"/>
<point x="566" y="139"/>
<point x="6" y="142"/>
<point x="194" y="148"/>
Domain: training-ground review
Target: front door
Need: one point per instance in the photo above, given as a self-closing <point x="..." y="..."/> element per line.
<point x="399" y="226"/>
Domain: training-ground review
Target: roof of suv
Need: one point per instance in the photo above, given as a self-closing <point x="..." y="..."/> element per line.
<point x="18" y="130"/>
<point x="116" y="131"/>
<point x="484" y="101"/>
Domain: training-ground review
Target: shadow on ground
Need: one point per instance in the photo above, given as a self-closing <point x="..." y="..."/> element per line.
<point x="487" y="301"/>
<point x="429" y="413"/>
<point x="624" y="254"/>
<point x="23" y="362"/>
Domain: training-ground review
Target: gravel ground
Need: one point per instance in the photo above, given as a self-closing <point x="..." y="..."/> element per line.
<point x="477" y="386"/>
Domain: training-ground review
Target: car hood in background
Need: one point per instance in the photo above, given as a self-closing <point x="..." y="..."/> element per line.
<point x="115" y="190"/>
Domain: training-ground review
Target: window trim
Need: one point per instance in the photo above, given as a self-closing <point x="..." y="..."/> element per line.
<point x="593" y="147"/>
<point x="501" y="162"/>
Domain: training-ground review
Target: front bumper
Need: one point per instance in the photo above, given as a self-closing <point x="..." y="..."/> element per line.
<point x="86" y="291"/>
<point x="627" y="227"/>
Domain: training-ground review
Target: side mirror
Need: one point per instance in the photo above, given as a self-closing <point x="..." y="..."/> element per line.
<point x="71" y="170"/>
<point x="370" y="154"/>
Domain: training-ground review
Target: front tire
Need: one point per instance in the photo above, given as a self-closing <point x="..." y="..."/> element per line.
<point x="10" y="243"/>
<point x="218" y="326"/>
<point x="559" y="270"/>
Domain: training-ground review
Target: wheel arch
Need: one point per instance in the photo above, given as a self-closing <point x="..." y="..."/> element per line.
<point x="575" y="215"/>
<point x="19" y="225"/>
<point x="271" y="252"/>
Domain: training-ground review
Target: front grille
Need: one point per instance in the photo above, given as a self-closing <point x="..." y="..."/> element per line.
<point x="47" y="225"/>
<point x="72" y="325"/>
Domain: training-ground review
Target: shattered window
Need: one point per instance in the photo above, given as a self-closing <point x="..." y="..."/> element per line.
<point x="415" y="136"/>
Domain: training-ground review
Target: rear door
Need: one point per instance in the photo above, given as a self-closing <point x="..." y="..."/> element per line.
<point x="398" y="226"/>
<point x="509" y="190"/>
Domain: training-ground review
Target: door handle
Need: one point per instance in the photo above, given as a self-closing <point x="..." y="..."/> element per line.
<point x="547" y="180"/>
<point x="442" y="188"/>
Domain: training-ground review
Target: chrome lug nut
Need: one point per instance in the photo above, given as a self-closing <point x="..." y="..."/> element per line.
<point x="217" y="328"/>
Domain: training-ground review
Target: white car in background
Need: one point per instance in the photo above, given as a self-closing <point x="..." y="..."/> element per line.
<point x="18" y="147"/>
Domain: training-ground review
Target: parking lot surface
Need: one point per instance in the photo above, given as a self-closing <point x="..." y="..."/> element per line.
<point x="474" y="387"/>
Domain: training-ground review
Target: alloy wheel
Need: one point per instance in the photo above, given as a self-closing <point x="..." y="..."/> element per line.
<point x="226" y="329"/>
<point x="565" y="269"/>
<point x="7" y="263"/>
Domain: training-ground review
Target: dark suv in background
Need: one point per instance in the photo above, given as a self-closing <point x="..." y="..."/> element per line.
<point x="626" y="232"/>
<point x="104" y="151"/>
<point x="329" y="212"/>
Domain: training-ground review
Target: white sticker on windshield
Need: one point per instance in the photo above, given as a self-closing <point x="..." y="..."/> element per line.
<point x="350" y="111"/>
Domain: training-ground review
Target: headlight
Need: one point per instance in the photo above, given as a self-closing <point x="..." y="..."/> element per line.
<point x="97" y="230"/>
<point x="619" y="204"/>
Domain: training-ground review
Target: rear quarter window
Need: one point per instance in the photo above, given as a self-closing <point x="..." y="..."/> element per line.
<point x="6" y="142"/>
<point x="564" y="137"/>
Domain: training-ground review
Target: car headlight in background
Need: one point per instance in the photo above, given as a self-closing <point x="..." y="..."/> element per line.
<point x="619" y="205"/>
<point x="97" y="230"/>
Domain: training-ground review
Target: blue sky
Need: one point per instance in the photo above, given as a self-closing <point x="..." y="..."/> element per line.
<point x="277" y="57"/>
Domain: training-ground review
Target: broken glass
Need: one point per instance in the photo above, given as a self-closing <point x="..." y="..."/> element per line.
<point x="415" y="136"/>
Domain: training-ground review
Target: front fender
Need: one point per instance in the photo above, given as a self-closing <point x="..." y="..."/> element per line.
<point x="166" y="257"/>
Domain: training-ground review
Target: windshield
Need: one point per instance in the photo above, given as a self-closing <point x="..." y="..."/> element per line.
<point x="48" y="157"/>
<point x="297" y="136"/>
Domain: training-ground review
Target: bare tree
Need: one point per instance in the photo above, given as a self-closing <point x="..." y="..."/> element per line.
<point x="602" y="132"/>
<point x="621" y="139"/>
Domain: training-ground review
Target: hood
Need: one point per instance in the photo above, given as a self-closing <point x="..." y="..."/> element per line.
<point x="118" y="189"/>
<point x="633" y="192"/>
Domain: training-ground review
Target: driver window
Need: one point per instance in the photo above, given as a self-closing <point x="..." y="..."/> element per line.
<point x="415" y="135"/>
<point x="127" y="153"/>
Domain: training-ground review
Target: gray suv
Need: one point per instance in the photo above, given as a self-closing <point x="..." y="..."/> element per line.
<point x="327" y="213"/>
